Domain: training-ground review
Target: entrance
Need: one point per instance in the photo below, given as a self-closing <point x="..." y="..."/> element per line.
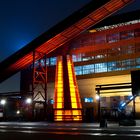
<point x="115" y="100"/>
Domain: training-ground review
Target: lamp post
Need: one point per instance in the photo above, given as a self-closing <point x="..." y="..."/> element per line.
<point x="97" y="97"/>
<point x="3" y="102"/>
<point x="29" y="112"/>
<point x="28" y="101"/>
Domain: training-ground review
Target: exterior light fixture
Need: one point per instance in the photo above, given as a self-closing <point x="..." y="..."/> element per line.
<point x="28" y="100"/>
<point x="3" y="102"/>
<point x="123" y="104"/>
<point x="97" y="97"/>
<point x="131" y="98"/>
<point x="18" y="112"/>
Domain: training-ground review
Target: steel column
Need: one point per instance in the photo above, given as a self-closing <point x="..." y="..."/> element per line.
<point x="39" y="85"/>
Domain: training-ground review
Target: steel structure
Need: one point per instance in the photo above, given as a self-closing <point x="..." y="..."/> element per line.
<point x="91" y="14"/>
<point x="39" y="84"/>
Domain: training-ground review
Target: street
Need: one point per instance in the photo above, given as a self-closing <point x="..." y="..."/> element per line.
<point x="65" y="131"/>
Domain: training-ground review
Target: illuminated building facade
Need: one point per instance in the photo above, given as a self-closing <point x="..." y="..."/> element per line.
<point x="103" y="56"/>
<point x="60" y="41"/>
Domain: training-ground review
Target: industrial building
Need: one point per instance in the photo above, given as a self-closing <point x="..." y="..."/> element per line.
<point x="103" y="56"/>
<point x="79" y="71"/>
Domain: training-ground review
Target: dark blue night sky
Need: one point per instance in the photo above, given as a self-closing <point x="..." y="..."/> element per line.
<point x="23" y="20"/>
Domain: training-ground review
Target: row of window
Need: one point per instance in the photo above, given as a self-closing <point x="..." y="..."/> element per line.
<point x="106" y="53"/>
<point x="49" y="61"/>
<point x="93" y="39"/>
<point x="103" y="67"/>
<point x="108" y="66"/>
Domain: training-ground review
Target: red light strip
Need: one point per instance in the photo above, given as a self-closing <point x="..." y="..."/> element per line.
<point x="72" y="31"/>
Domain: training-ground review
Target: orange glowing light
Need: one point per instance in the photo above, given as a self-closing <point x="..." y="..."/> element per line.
<point x="59" y="90"/>
<point x="72" y="86"/>
<point x="60" y="114"/>
<point x="74" y="93"/>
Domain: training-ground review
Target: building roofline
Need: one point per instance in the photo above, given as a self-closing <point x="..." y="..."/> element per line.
<point x="119" y="18"/>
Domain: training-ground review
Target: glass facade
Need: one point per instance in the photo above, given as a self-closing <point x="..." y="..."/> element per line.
<point x="114" y="56"/>
<point x="108" y="66"/>
<point x="108" y="52"/>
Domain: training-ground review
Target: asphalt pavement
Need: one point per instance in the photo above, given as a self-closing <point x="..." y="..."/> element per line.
<point x="62" y="131"/>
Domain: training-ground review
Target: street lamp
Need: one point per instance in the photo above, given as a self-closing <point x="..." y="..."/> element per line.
<point x="18" y="112"/>
<point x="29" y="108"/>
<point x="3" y="102"/>
<point x="28" y="101"/>
<point x="97" y="97"/>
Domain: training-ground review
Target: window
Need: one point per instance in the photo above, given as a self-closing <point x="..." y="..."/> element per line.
<point x="126" y="35"/>
<point x="100" y="67"/>
<point x="88" y="100"/>
<point x="128" y="49"/>
<point x="86" y="40"/>
<point x="78" y="70"/>
<point x="53" y="61"/>
<point x="138" y="63"/>
<point x="137" y="32"/>
<point x="112" y="38"/>
<point x="114" y="51"/>
<point x="100" y="39"/>
<point x="47" y="61"/>
<point x="129" y="63"/>
<point x="137" y="46"/>
<point x="87" y="69"/>
<point x="112" y="66"/>
<point x="76" y="58"/>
